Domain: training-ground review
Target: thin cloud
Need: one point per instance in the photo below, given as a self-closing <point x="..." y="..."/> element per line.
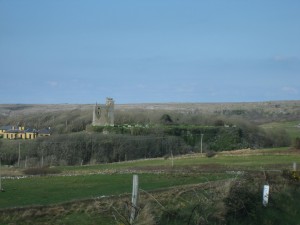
<point x="53" y="83"/>
<point x="290" y="90"/>
<point x="281" y="58"/>
<point x="141" y="86"/>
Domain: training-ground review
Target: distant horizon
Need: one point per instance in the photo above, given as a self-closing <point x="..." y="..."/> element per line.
<point x="136" y="103"/>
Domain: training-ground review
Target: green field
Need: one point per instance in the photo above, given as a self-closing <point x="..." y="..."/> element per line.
<point x="57" y="189"/>
<point x="83" y="182"/>
<point x="75" y="195"/>
<point x="277" y="158"/>
<point x="291" y="127"/>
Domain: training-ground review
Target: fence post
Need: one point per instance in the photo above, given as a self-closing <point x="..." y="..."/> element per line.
<point x="25" y="162"/>
<point x="135" y="196"/>
<point x="19" y="156"/>
<point x="266" y="195"/>
<point x="294" y="166"/>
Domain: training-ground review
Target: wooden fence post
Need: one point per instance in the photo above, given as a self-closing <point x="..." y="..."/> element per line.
<point x="135" y="196"/>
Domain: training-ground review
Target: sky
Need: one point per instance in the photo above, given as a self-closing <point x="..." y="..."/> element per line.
<point x="149" y="51"/>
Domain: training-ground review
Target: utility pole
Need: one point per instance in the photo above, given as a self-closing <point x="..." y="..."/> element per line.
<point x="42" y="158"/>
<point x="0" y="176"/>
<point x="172" y="158"/>
<point x="19" y="158"/>
<point x="26" y="162"/>
<point x="201" y="142"/>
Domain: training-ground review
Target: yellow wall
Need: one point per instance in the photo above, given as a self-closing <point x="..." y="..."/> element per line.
<point x="31" y="135"/>
<point x="10" y="135"/>
<point x="20" y="134"/>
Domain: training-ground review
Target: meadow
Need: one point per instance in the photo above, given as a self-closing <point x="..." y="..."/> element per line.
<point x="82" y="182"/>
<point x="291" y="127"/>
<point x="57" y="189"/>
<point x="93" y="194"/>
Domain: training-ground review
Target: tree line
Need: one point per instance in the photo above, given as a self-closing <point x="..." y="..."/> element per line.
<point x="119" y="144"/>
<point x="137" y="134"/>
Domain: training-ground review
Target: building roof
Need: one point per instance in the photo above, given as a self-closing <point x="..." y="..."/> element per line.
<point x="12" y="131"/>
<point x="30" y="130"/>
<point x="7" y="127"/>
<point x="44" y="131"/>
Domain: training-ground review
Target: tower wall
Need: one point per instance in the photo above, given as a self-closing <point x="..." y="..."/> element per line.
<point x="103" y="115"/>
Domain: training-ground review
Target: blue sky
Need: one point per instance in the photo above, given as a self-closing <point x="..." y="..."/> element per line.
<point x="137" y="51"/>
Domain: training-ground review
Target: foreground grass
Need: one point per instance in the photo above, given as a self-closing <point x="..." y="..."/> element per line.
<point x="114" y="179"/>
<point x="57" y="189"/>
<point x="96" y="181"/>
<point x="227" y="202"/>
<point x="71" y="218"/>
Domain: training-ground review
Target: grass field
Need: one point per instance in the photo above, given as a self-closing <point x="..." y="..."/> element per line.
<point x="83" y="182"/>
<point x="57" y="189"/>
<point x="276" y="158"/>
<point x="291" y="127"/>
<point x="75" y="195"/>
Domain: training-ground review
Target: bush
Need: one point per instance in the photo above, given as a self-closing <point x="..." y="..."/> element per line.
<point x="297" y="143"/>
<point x="244" y="202"/>
<point x="243" y="199"/>
<point x="291" y="175"/>
<point x="210" y="154"/>
<point x="166" y="119"/>
<point x="41" y="171"/>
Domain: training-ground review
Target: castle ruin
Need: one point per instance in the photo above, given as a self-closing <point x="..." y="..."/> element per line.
<point x="103" y="115"/>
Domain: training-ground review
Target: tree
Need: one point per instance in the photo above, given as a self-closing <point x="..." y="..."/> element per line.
<point x="297" y="143"/>
<point x="166" y="119"/>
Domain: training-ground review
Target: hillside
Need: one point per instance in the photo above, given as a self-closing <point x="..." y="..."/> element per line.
<point x="80" y="115"/>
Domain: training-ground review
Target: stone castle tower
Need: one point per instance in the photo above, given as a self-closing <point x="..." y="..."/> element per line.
<point x="103" y="115"/>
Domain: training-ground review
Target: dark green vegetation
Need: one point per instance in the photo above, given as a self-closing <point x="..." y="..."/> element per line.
<point x="41" y="171"/>
<point x="88" y="148"/>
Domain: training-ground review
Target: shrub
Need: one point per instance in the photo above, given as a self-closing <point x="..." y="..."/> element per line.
<point x="166" y="119"/>
<point x="243" y="199"/>
<point x="41" y="171"/>
<point x="297" y="143"/>
<point x="291" y="175"/>
<point x="210" y="154"/>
